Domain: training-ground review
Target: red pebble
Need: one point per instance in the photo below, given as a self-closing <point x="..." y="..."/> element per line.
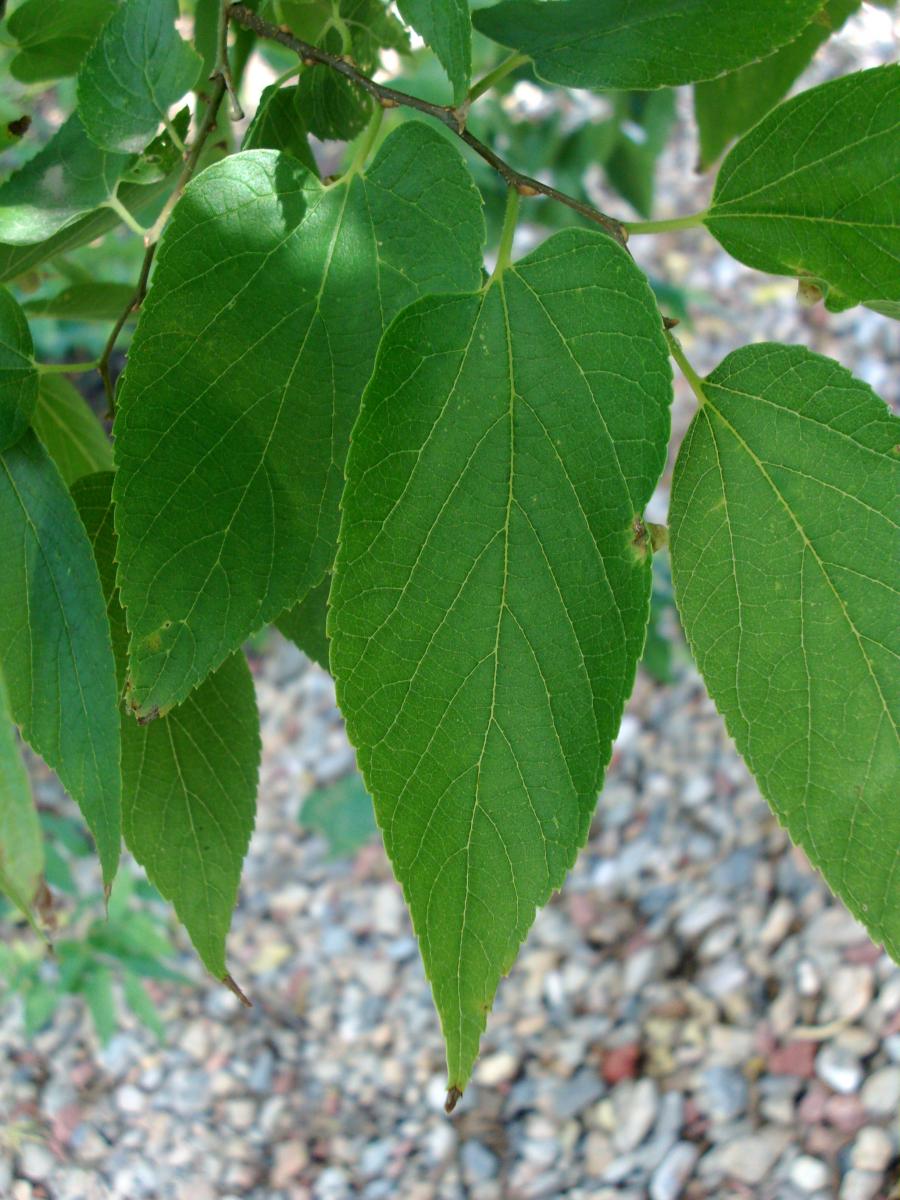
<point x="794" y="1058"/>
<point x="845" y="1113"/>
<point x="621" y="1063"/>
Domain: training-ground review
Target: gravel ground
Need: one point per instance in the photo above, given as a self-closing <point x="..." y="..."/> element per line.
<point x="693" y="1016"/>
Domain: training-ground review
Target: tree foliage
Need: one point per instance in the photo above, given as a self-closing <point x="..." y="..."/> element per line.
<point x="349" y="410"/>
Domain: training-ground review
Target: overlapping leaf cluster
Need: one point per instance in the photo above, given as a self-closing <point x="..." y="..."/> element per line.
<point x="431" y="471"/>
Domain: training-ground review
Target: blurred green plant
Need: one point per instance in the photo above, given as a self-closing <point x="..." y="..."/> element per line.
<point x="342" y="813"/>
<point x="104" y="959"/>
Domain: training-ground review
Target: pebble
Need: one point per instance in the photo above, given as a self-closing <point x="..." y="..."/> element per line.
<point x="838" y="1068"/>
<point x="881" y="1092"/>
<point x="671" y="1176"/>
<point x="751" y="1157"/>
<point x="497" y="1068"/>
<point x="849" y="990"/>
<point x="478" y="1163"/>
<point x="809" y="1174"/>
<point x="576" y="1095"/>
<point x="860" y="1185"/>
<point x="634" y="1106"/>
<point x="872" y="1150"/>
<point x="723" y="1093"/>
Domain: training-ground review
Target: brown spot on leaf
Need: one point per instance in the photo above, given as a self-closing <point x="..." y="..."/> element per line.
<point x="453" y="1096"/>
<point x="20" y="126"/>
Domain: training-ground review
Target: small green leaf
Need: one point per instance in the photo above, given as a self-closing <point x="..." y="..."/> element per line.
<point x="730" y="105"/>
<point x="18" y="374"/>
<point x="140" y="1003"/>
<point x="813" y="190"/>
<point x="15" y="260"/>
<point x="490" y="594"/>
<point x="55" y="647"/>
<point x="334" y="109"/>
<point x="94" y="301"/>
<point x="188" y="778"/>
<point x="97" y="989"/>
<point x="647" y="119"/>
<point x="69" y="430"/>
<point x="446" y="26"/>
<point x="342" y="814"/>
<point x="135" y="71"/>
<point x="279" y="124"/>
<point x="261" y="258"/>
<point x="643" y="44"/>
<point x="66" y="179"/>
<point x="21" y="844"/>
<point x="54" y="36"/>
<point x="304" y="624"/>
<point x="784" y="544"/>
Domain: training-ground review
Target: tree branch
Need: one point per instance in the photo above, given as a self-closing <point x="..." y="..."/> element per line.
<point x="453" y="118"/>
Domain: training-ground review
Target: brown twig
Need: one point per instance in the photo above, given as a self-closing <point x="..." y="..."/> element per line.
<point x="453" y="118"/>
<point x="134" y="303"/>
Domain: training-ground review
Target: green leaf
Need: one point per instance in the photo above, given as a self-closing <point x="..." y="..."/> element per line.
<point x="447" y="28"/>
<point x="140" y="1003"/>
<point x="813" y="190"/>
<point x="730" y="105"/>
<point x="189" y="778"/>
<point x="262" y="260"/>
<point x="304" y="624"/>
<point x="18" y="374"/>
<point x="21" y="845"/>
<point x="66" y="179"/>
<point x="643" y="44"/>
<point x="135" y="71"/>
<point x="335" y="110"/>
<point x="98" y="993"/>
<point x="94" y="301"/>
<point x="342" y="814"/>
<point x="54" y="36"/>
<point x="15" y="260"/>
<point x="279" y="124"/>
<point x="648" y="118"/>
<point x="491" y="592"/>
<point x="54" y="640"/>
<point x="784" y="550"/>
<point x="69" y="430"/>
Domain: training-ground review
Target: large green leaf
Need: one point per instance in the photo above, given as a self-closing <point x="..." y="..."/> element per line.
<point x="643" y="43"/>
<point x="446" y="26"/>
<point x="135" y="71"/>
<point x="55" y="646"/>
<point x="188" y="779"/>
<point x="645" y="123"/>
<point x="18" y="374"/>
<point x="66" y="179"/>
<point x="54" y="36"/>
<point x="69" y="430"/>
<point x="491" y="592"/>
<point x="814" y="190"/>
<point x="784" y="540"/>
<point x="730" y="105"/>
<point x="270" y="294"/>
<point x="21" y="844"/>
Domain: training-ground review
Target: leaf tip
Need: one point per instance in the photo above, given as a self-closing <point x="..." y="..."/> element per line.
<point x="454" y="1094"/>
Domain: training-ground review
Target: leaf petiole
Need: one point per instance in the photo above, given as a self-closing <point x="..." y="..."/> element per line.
<point x="667" y="226"/>
<point x="687" y="370"/>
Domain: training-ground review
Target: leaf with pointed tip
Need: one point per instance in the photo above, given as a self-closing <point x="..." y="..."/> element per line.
<point x="66" y="179"/>
<point x="54" y="35"/>
<point x="730" y="105"/>
<point x="279" y="124"/>
<point x="304" y="624"/>
<point x="490" y="600"/>
<point x="643" y="44"/>
<point x="784" y="543"/>
<point x="133" y="74"/>
<point x="55" y="646"/>
<point x="446" y="26"/>
<point x="290" y="283"/>
<point x="188" y="778"/>
<point x="21" y="844"/>
<point x="69" y="430"/>
<point x="814" y="190"/>
<point x="18" y="374"/>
